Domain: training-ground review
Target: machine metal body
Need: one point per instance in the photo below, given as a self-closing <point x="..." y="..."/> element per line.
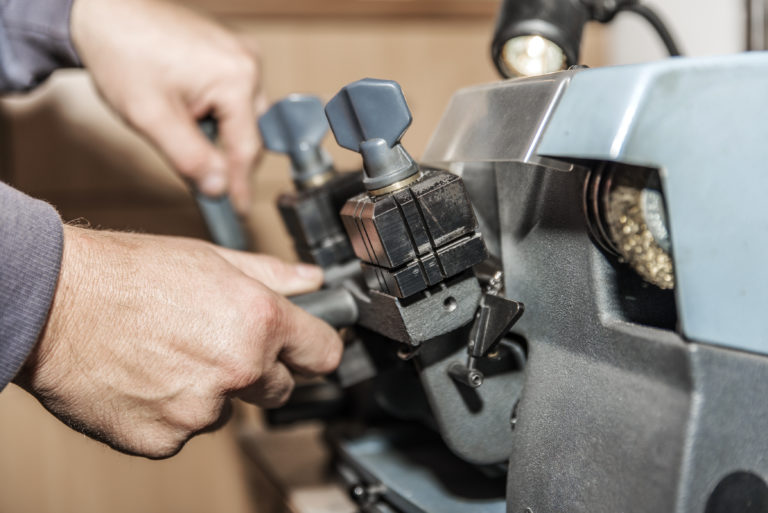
<point x="610" y="393"/>
<point x="635" y="398"/>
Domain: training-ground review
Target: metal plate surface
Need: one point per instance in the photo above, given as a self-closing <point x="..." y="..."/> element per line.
<point x="420" y="475"/>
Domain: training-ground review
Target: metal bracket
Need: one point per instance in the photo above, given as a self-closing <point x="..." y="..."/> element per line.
<point x="494" y="318"/>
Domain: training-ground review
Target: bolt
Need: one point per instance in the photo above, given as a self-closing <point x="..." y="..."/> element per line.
<point x="470" y="377"/>
<point x="358" y="493"/>
<point x="364" y="495"/>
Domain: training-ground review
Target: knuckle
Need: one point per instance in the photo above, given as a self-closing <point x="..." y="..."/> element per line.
<point x="204" y="418"/>
<point x="239" y="366"/>
<point x="166" y="449"/>
<point x="282" y="395"/>
<point x="286" y="393"/>
<point x="192" y="162"/>
<point x="331" y="357"/>
<point x="243" y="362"/>
<point x="242" y="371"/>
<point x="246" y="66"/>
<point x="244" y="153"/>
<point x="157" y="442"/>
<point x="240" y="67"/>
<point x="276" y="389"/>
<point x="139" y="113"/>
<point x="249" y="68"/>
<point x="191" y="419"/>
<point x="267" y="313"/>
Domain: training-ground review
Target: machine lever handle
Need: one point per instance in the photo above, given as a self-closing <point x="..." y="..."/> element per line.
<point x="335" y="306"/>
<point x="218" y="213"/>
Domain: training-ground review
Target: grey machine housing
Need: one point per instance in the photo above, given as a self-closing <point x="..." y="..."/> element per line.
<point x="633" y="399"/>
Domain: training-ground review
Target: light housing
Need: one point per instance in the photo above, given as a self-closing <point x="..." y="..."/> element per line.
<point x="529" y="34"/>
<point x="533" y="37"/>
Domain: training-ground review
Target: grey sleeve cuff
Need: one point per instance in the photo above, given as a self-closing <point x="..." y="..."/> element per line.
<point x="34" y="41"/>
<point x="31" y="242"/>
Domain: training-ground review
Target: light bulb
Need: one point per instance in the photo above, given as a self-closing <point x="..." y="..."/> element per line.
<point x="526" y="56"/>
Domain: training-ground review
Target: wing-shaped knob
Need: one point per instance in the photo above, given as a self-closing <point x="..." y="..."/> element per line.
<point x="296" y="126"/>
<point x="370" y="116"/>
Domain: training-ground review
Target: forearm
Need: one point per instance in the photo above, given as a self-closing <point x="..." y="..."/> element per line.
<point x="34" y="41"/>
<point x="30" y="258"/>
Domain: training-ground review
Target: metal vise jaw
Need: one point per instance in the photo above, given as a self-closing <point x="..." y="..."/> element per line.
<point x="414" y="237"/>
<point x="414" y="229"/>
<point x="296" y="126"/>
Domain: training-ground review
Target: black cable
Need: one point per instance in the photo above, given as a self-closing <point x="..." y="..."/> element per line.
<point x="656" y="22"/>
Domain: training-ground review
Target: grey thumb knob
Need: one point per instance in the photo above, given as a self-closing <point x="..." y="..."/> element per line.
<point x="296" y="126"/>
<point x="370" y="116"/>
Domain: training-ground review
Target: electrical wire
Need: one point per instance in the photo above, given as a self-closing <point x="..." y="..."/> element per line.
<point x="657" y="23"/>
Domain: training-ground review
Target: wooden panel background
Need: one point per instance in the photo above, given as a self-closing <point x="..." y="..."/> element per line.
<point x="340" y="8"/>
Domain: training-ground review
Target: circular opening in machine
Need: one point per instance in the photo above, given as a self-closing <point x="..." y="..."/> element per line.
<point x="740" y="491"/>
<point x="450" y="304"/>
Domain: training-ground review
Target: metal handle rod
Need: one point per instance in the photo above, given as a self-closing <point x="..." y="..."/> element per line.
<point x="218" y="213"/>
<point x="335" y="306"/>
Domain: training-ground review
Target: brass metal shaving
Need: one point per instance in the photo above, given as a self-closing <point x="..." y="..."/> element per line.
<point x="627" y="224"/>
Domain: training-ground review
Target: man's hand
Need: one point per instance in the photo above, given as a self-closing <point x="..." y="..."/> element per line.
<point x="148" y="337"/>
<point x="162" y="67"/>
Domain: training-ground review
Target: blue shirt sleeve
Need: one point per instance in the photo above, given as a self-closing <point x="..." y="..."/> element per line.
<point x="31" y="243"/>
<point x="34" y="41"/>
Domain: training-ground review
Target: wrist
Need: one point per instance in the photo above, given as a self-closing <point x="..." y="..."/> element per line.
<point x="36" y="375"/>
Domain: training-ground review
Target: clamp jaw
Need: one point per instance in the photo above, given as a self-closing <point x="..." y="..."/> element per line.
<point x="296" y="126"/>
<point x="416" y="236"/>
<point x="414" y="230"/>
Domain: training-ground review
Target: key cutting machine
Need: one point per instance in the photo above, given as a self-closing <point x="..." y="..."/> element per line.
<point x="624" y="207"/>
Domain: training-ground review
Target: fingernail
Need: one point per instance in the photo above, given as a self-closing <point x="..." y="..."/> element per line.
<point x="309" y="272"/>
<point x="214" y="184"/>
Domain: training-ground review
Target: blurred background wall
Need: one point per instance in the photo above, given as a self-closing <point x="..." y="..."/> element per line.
<point x="62" y="144"/>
